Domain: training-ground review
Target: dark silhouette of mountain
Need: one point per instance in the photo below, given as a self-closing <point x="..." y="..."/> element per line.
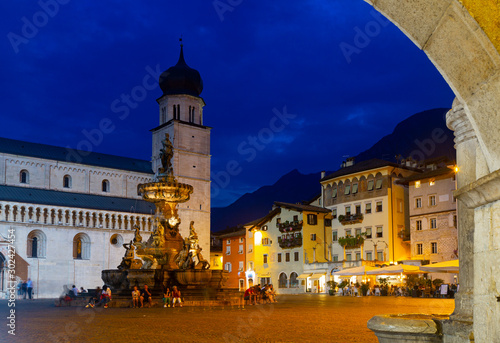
<point x="422" y="136"/>
<point x="254" y="205"/>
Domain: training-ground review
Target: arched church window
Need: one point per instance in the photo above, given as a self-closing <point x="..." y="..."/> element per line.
<point x="81" y="247"/>
<point x="105" y="186"/>
<point x="283" y="281"/>
<point x="163" y="118"/>
<point x="24" y="176"/>
<point x="36" y="246"/>
<point x="67" y="181"/>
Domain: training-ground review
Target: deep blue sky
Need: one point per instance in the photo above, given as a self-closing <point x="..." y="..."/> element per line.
<point x="255" y="58"/>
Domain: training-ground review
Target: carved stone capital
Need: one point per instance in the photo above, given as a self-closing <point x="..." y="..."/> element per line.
<point x="456" y="120"/>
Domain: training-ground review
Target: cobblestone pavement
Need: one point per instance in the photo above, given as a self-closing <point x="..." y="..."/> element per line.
<point x="297" y="318"/>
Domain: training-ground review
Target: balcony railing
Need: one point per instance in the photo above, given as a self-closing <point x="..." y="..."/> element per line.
<point x="291" y="242"/>
<point x="350" y="242"/>
<point x="290" y="226"/>
<point x="351" y="219"/>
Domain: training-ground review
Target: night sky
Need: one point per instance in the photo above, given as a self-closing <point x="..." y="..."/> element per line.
<point x="288" y="84"/>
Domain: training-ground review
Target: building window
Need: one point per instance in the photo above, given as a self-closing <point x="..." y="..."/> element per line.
<point x="348" y="210"/>
<point x="265" y="259"/>
<point x="67" y="181"/>
<point x="418" y="202"/>
<point x="380" y="232"/>
<point x="334" y="236"/>
<point x="228" y="250"/>
<point x="370" y="185"/>
<point x="240" y="249"/>
<point x="355" y="188"/>
<point x="296" y="256"/>
<point x="228" y="267"/>
<point x="358" y="209"/>
<point x="296" y="218"/>
<point x="368" y="208"/>
<point x="250" y="248"/>
<point x="335" y="258"/>
<point x="282" y="281"/>
<point x="418" y="225"/>
<point x="328" y="222"/>
<point x="348" y="257"/>
<point x="417" y="184"/>
<point x="400" y="205"/>
<point x="378" y="185"/>
<point x="347" y="189"/>
<point x="294" y="282"/>
<point x="312" y="219"/>
<point x="313" y="236"/>
<point x="432" y="183"/>
<point x="81" y="247"/>
<point x="432" y="200"/>
<point x="347" y="232"/>
<point x="36" y="244"/>
<point x="105" y="186"/>
<point x="250" y="265"/>
<point x="358" y="256"/>
<point x="433" y="223"/>
<point x="334" y="192"/>
<point x="24" y="177"/>
<point x="279" y="257"/>
<point x="357" y="232"/>
<point x="379" y="206"/>
<point x="380" y="255"/>
<point x="240" y="266"/>
<point x="242" y="239"/>
<point x="369" y="256"/>
<point x="368" y="232"/>
<point x="266" y="241"/>
<point x="420" y="249"/>
<point x="334" y="213"/>
<point x="242" y="285"/>
<point x="228" y="241"/>
<point x="287" y="257"/>
<point x="434" y="248"/>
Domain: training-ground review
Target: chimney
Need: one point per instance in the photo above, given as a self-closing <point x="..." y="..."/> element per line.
<point x="349" y="162"/>
<point x="322" y="174"/>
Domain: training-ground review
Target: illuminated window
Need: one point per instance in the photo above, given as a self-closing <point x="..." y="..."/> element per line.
<point x="313" y="236"/>
<point x="240" y="266"/>
<point x="228" y="241"/>
<point x="380" y="255"/>
<point x="417" y="184"/>
<point x="265" y="259"/>
<point x="369" y="256"/>
<point x="379" y="206"/>
<point x="279" y="257"/>
<point x="282" y="281"/>
<point x="380" y="232"/>
<point x="242" y="239"/>
<point x="312" y="219"/>
<point x="420" y="249"/>
<point x="378" y="185"/>
<point x="348" y="210"/>
<point x="228" y="250"/>
<point x="81" y="247"/>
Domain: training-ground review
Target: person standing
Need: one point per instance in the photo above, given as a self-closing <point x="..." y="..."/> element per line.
<point x="23" y="289"/>
<point x="29" y="288"/>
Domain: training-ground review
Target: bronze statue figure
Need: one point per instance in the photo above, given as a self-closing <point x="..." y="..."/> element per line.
<point x="166" y="155"/>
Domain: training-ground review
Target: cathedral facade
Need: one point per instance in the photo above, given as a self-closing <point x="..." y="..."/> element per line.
<point x="68" y="220"/>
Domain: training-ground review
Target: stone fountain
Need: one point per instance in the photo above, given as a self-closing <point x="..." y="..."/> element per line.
<point x="166" y="258"/>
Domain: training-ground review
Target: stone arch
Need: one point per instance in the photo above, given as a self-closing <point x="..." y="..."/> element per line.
<point x="328" y="195"/>
<point x="81" y="246"/>
<point x="282" y="280"/>
<point x="36" y="244"/>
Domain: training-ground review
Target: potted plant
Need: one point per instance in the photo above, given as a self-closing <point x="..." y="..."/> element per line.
<point x="331" y="287"/>
<point x="364" y="288"/>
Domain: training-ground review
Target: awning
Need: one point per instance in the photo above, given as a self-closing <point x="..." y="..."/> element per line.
<point x="396" y="269"/>
<point x="317" y="275"/>
<point x="354" y="271"/>
<point x="304" y="276"/>
<point x="441" y="267"/>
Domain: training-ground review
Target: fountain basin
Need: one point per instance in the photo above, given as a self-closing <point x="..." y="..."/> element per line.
<point x="116" y="279"/>
<point x="193" y="277"/>
<point x="404" y="328"/>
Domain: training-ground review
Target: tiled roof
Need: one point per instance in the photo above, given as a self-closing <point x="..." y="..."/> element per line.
<point x="51" y="152"/>
<point x="300" y="207"/>
<point x="66" y="199"/>
<point x="426" y="175"/>
<point x="364" y="165"/>
<point x="262" y="220"/>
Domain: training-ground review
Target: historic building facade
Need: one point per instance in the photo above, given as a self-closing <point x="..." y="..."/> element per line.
<point x="71" y="211"/>
<point x="370" y="221"/>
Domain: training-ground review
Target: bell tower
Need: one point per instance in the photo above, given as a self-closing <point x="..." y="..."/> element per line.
<point x="181" y="116"/>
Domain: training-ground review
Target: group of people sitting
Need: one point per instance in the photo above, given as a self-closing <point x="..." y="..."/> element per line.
<point x="170" y="298"/>
<point x="102" y="297"/>
<point x="257" y="294"/>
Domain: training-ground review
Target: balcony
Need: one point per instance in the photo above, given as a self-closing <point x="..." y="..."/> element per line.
<point x="289" y="243"/>
<point x="290" y="226"/>
<point x="350" y="242"/>
<point x="351" y="219"/>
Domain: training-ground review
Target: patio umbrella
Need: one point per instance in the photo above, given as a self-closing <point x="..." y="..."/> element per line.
<point x="356" y="271"/>
<point x="396" y="270"/>
<point x="441" y="267"/>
